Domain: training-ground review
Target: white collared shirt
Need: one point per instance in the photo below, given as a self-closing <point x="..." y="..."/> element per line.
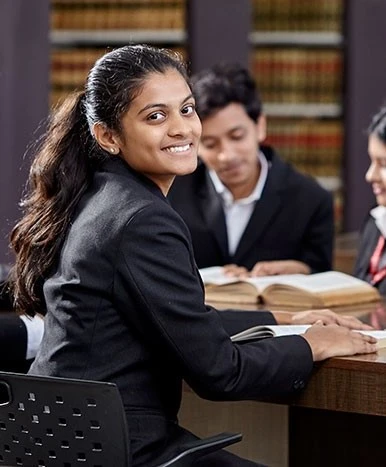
<point x="238" y="212"/>
<point x="35" y="330"/>
<point x="379" y="215"/>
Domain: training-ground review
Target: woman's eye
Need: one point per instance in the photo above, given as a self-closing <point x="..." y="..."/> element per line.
<point x="155" y="116"/>
<point x="188" y="109"/>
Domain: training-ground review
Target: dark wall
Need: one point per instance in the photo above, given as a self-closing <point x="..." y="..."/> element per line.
<point x="218" y="30"/>
<point x="24" y="87"/>
<point x="365" y="91"/>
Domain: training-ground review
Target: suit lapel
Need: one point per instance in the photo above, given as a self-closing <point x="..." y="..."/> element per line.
<point x="265" y="210"/>
<point x="212" y="210"/>
<point x="266" y="207"/>
<point x="368" y="248"/>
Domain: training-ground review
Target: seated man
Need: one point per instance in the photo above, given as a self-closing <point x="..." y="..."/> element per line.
<point x="244" y="206"/>
<point x="20" y="336"/>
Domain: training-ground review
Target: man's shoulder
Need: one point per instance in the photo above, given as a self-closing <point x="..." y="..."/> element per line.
<point x="285" y="172"/>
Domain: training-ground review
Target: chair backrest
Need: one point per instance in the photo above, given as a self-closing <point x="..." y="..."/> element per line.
<point x="52" y="422"/>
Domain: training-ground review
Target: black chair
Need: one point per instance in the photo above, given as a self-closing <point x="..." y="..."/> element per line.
<point x="52" y="422"/>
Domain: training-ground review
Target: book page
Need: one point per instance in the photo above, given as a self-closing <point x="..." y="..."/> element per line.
<point x="253" y="333"/>
<point x="287" y="330"/>
<point x="215" y="276"/>
<point x="262" y="332"/>
<point x="323" y="281"/>
<point x="320" y="282"/>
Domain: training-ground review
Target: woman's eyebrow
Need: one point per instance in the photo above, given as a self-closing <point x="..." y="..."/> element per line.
<point x="152" y="106"/>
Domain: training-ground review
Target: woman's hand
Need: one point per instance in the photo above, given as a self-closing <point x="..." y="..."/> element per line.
<point x="272" y="268"/>
<point x="337" y="341"/>
<point x="327" y="317"/>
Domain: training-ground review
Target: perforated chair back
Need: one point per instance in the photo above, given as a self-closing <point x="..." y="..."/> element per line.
<point x="50" y="422"/>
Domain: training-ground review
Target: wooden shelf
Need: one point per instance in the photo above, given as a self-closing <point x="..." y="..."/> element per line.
<point x="312" y="110"/>
<point x="117" y="37"/>
<point x="304" y="39"/>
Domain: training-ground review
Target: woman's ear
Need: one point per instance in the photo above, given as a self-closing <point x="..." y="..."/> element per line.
<point x="261" y="128"/>
<point x="106" y="138"/>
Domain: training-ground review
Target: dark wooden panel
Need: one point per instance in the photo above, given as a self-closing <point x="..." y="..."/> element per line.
<point x="320" y="438"/>
<point x="365" y="92"/>
<point x="24" y="88"/>
<point x="218" y="30"/>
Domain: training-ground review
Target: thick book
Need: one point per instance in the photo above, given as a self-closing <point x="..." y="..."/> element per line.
<point x="255" y="333"/>
<point x="318" y="290"/>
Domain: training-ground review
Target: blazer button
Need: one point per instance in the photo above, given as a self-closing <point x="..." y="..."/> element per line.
<point x="298" y="384"/>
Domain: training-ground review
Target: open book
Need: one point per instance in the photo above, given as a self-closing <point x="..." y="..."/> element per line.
<point x="262" y="332"/>
<point x="323" y="289"/>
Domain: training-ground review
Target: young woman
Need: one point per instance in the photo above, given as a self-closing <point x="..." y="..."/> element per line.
<point x="103" y="253"/>
<point x="371" y="259"/>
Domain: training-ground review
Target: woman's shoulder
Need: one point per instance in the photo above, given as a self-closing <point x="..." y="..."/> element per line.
<point x="121" y="194"/>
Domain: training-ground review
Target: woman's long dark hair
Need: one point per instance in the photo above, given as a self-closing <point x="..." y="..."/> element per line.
<point x="66" y="159"/>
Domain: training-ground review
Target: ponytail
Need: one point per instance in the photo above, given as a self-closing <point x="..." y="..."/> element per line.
<point x="59" y="174"/>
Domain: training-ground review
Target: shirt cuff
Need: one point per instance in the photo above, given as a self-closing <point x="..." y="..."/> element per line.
<point x="35" y="330"/>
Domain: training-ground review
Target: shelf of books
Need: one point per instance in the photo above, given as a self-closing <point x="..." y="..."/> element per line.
<point x="297" y="62"/>
<point x="82" y="31"/>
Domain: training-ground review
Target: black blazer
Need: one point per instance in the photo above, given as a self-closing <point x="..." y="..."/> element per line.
<point x="13" y="334"/>
<point x="292" y="220"/>
<point x="126" y="304"/>
<point x="368" y="241"/>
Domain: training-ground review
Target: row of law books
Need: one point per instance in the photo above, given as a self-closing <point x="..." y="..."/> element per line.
<point x="314" y="146"/>
<point x="117" y="14"/>
<point x="69" y="68"/>
<point x="325" y="289"/>
<point x="297" y="15"/>
<point x="298" y="75"/>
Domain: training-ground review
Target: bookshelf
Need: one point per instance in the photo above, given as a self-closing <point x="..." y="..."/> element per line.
<point x="82" y="30"/>
<point x="298" y="63"/>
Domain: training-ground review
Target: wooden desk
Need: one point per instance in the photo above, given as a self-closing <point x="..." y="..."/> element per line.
<point x="338" y="420"/>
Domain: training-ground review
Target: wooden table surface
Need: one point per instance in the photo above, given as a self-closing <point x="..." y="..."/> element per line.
<point x="338" y="420"/>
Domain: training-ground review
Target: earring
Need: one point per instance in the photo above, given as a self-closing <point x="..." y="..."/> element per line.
<point x="113" y="150"/>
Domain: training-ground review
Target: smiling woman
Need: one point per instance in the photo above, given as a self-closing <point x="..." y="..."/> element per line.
<point x="111" y="263"/>
<point x="159" y="133"/>
<point x="371" y="259"/>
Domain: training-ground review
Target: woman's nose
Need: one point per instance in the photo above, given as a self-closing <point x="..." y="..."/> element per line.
<point x="372" y="173"/>
<point x="179" y="125"/>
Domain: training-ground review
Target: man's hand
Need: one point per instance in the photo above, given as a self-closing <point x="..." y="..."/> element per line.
<point x="232" y="270"/>
<point x="271" y="268"/>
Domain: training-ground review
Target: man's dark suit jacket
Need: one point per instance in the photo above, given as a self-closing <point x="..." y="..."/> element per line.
<point x="13" y="335"/>
<point x="293" y="219"/>
<point x="368" y="241"/>
<point x="126" y="304"/>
